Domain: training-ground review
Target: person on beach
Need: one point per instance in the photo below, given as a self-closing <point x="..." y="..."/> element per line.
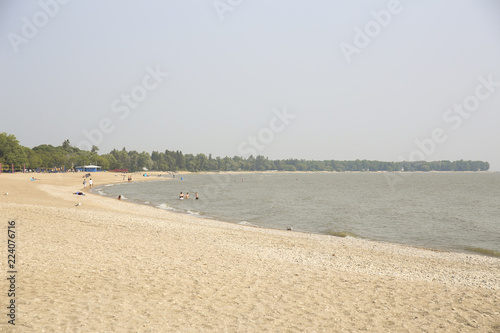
<point x="91" y="183"/>
<point x="120" y="197"/>
<point x="84" y="183"/>
<point x="181" y="196"/>
<point x="196" y="195"/>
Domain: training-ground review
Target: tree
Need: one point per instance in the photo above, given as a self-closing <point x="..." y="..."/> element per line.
<point x="180" y="160"/>
<point x="201" y="161"/>
<point x="33" y="160"/>
<point x="301" y="166"/>
<point x="144" y="161"/>
<point x="10" y="150"/>
<point x="121" y="157"/>
<point x="102" y="161"/>
<point x="66" y="145"/>
<point x="112" y="162"/>
<point x="260" y="164"/>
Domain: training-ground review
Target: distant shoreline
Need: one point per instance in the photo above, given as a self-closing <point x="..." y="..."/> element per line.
<point x="156" y="173"/>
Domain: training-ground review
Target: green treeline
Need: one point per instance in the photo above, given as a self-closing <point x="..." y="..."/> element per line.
<point x="48" y="157"/>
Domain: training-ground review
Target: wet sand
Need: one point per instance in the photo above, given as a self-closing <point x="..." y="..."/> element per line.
<point x="112" y="266"/>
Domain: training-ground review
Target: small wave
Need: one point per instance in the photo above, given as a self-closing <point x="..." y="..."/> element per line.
<point x="341" y="233"/>
<point x="247" y="223"/>
<point x="101" y="192"/>
<point x="484" y="252"/>
<point x="164" y="206"/>
<point x="109" y="185"/>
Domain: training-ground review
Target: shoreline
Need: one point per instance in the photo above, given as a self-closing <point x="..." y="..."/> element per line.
<point x="338" y="234"/>
<point x="299" y="172"/>
<point x="147" y="269"/>
<point x="369" y="242"/>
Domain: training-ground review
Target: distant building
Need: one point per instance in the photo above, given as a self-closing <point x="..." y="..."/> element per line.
<point x="88" y="168"/>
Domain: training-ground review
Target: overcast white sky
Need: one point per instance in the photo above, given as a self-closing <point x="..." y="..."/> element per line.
<point x="363" y="79"/>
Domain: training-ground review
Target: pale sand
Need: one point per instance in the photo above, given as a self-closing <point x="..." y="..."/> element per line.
<point x="113" y="266"/>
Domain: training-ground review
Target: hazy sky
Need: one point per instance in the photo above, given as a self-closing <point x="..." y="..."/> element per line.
<point x="384" y="80"/>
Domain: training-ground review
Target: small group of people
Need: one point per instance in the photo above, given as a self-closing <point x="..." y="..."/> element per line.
<point x="186" y="196"/>
<point x="90" y="183"/>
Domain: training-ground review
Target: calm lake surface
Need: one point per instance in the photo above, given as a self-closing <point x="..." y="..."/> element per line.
<point x="446" y="211"/>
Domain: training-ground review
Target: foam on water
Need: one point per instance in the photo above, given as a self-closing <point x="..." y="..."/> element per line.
<point x="247" y="223"/>
<point x="165" y="206"/>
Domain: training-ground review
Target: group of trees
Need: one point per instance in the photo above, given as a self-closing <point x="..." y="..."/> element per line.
<point x="67" y="157"/>
<point x="45" y="156"/>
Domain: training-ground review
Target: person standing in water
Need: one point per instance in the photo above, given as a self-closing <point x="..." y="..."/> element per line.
<point x="187" y="195"/>
<point x="181" y="196"/>
<point x="196" y="195"/>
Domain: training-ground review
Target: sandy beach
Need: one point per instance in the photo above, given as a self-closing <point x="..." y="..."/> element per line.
<point x="112" y="266"/>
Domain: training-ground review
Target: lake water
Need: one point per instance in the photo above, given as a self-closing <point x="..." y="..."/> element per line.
<point x="446" y="211"/>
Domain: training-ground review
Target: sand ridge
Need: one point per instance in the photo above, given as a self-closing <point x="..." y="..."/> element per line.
<point x="113" y="266"/>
